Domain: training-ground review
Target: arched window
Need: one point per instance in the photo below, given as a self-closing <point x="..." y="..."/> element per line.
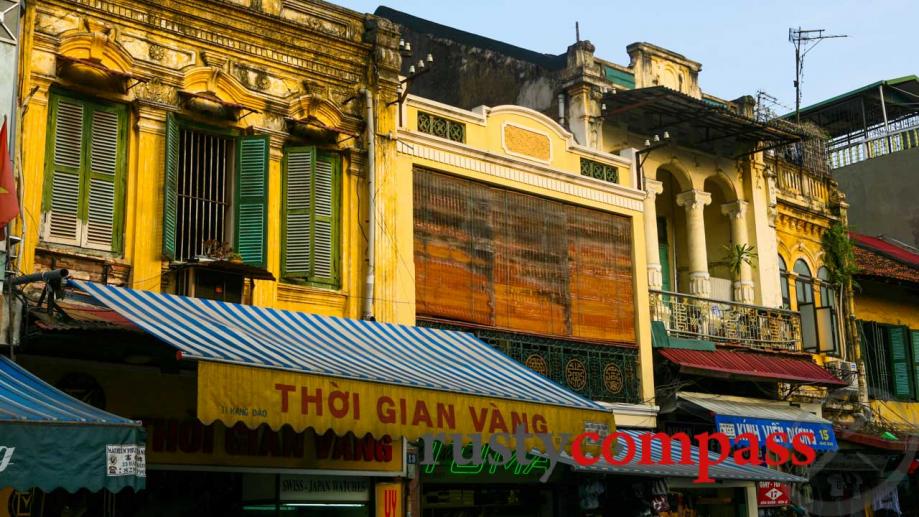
<point x="783" y="282"/>
<point x="804" y="287"/>
<point x="804" y="284"/>
<point x="827" y="290"/>
<point x="827" y="313"/>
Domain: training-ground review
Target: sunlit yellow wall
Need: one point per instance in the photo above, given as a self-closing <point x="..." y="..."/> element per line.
<point x="893" y="305"/>
<point x="886" y="303"/>
<point x="897" y="412"/>
<point x="180" y="55"/>
<point x="487" y="156"/>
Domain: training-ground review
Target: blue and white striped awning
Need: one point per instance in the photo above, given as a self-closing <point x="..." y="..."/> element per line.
<point x="729" y="470"/>
<point x="24" y="398"/>
<point x="51" y="440"/>
<point x="401" y="355"/>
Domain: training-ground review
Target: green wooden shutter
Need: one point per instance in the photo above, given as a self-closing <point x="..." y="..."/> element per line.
<point x="914" y="348"/>
<point x="102" y="178"/>
<point x="251" y="196"/>
<point x="325" y="218"/>
<point x="900" y="362"/>
<point x="62" y="199"/>
<point x="297" y="198"/>
<point x="170" y="187"/>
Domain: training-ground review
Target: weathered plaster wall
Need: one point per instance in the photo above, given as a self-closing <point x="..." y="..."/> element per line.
<point x="882" y="194"/>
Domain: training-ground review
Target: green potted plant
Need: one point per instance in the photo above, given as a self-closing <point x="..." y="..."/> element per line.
<point x="737" y="255"/>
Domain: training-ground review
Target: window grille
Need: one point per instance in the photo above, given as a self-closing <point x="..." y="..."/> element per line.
<point x="203" y="193"/>
<point x="441" y="127"/>
<point x="600" y="171"/>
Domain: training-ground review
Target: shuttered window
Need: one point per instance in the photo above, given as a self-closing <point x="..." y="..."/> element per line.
<point x="914" y="348"/>
<point x="83" y="197"/>
<point x="901" y="363"/>
<point x="252" y="197"/>
<point x="311" y="198"/>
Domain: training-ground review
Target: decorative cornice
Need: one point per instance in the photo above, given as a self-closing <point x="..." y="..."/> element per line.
<point x="462" y="156"/>
<point x="318" y="60"/>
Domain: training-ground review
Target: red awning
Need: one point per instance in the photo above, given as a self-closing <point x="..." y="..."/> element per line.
<point x="753" y="366"/>
<point x="909" y="443"/>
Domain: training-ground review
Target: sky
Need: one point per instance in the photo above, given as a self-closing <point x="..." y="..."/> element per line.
<point x="742" y="44"/>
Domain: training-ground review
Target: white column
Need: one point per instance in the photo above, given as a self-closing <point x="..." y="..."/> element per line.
<point x="655" y="279"/>
<point x="737" y="214"/>
<point x="694" y="202"/>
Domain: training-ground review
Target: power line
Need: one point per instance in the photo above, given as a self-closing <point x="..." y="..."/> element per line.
<point x="804" y="41"/>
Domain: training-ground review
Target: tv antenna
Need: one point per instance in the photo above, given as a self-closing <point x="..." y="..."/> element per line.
<point x="804" y="41"/>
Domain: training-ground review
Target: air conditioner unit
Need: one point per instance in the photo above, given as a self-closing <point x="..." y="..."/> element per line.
<point x="846" y="371"/>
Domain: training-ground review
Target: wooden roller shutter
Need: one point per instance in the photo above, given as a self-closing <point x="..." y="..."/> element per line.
<point x="511" y="260"/>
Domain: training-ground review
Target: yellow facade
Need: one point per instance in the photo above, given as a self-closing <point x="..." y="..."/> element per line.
<point x="295" y="73"/>
<point x="891" y="305"/>
<point x="523" y="150"/>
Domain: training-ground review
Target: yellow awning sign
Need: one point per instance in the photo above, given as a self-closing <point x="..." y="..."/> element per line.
<point x="233" y="393"/>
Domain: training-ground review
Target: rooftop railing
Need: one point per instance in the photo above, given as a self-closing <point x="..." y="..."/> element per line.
<point x="877" y="141"/>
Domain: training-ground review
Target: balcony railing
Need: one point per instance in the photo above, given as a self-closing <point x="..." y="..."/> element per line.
<point x="877" y="141"/>
<point x="802" y="184"/>
<point x="693" y="317"/>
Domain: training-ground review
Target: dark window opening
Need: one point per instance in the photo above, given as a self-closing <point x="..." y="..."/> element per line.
<point x="204" y="191"/>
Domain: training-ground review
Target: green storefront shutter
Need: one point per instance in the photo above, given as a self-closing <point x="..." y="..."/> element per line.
<point x="62" y="195"/>
<point x="325" y="218"/>
<point x="170" y="187"/>
<point x="102" y="181"/>
<point x="900" y="362"/>
<point x="251" y="197"/>
<point x="297" y="187"/>
<point x="914" y="341"/>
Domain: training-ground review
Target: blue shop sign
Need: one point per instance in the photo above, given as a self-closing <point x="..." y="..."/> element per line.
<point x="734" y="426"/>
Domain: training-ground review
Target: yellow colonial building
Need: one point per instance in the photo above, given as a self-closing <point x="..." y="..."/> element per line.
<point x="161" y="153"/>
<point x="517" y="233"/>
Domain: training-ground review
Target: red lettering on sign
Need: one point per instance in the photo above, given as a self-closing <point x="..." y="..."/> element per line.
<point x="306" y="400"/>
<point x="539" y="424"/>
<point x="421" y="414"/>
<point x="285" y="390"/>
<point x="519" y="420"/>
<point x="478" y="420"/>
<point x="390" y="502"/>
<point x="387" y="415"/>
<point x="446" y="416"/>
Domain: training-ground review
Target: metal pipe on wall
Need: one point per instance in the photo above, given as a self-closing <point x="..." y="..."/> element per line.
<point x="369" y="283"/>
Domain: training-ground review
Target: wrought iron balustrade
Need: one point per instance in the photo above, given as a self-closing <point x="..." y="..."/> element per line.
<point x="599" y="372"/>
<point x="752" y="326"/>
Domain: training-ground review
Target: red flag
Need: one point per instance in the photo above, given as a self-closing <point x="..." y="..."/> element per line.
<point x="9" y="201"/>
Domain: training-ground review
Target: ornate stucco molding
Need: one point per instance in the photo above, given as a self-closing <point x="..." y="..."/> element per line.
<point x="465" y="157"/>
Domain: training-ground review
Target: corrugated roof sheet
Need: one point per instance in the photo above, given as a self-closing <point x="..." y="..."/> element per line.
<point x="753" y="366"/>
<point x="766" y="410"/>
<point x="885" y="247"/>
